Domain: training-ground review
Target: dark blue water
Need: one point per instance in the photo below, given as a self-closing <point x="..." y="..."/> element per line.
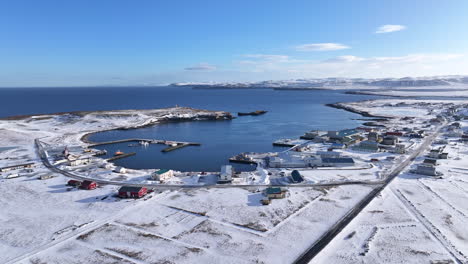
<point x="291" y="113"/>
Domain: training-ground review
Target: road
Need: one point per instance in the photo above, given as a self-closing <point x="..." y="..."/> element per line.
<point x="51" y="167"/>
<point x="327" y="237"/>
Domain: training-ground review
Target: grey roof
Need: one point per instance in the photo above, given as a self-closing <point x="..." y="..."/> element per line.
<point x="338" y="160"/>
<point x="130" y="189"/>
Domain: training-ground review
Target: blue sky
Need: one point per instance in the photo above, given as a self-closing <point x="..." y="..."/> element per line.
<point x="73" y="43"/>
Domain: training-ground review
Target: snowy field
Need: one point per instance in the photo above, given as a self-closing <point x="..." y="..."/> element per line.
<point x="417" y="219"/>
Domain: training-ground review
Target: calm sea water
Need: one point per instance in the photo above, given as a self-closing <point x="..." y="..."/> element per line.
<point x="290" y="114"/>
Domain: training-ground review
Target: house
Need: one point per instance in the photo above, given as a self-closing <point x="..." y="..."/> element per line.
<point x="367" y="146"/>
<point x="394" y="133"/>
<point x="416" y="135"/>
<point x="430" y="162"/>
<point x="434" y="153"/>
<point x="426" y="169"/>
<point x="120" y="169"/>
<point x="46" y="177"/>
<point x="88" y="185"/>
<point x="226" y="174"/>
<point x="443" y="156"/>
<point x="78" y="162"/>
<point x="337" y="162"/>
<point x="296" y="176"/>
<point x="389" y="140"/>
<point x="132" y="192"/>
<point x="16" y="167"/>
<point x="400" y="149"/>
<point x="74" y="183"/>
<point x="373" y="136"/>
<point x="162" y="175"/>
<point x="275" y="193"/>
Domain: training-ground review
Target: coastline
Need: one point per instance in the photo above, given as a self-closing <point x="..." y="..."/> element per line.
<point x="342" y="106"/>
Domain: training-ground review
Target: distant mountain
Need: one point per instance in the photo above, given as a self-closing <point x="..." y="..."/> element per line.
<point x="336" y="83"/>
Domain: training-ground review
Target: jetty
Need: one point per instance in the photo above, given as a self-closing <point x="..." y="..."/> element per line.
<point x="172" y="145"/>
<point x="121" y="156"/>
<point x="179" y="145"/>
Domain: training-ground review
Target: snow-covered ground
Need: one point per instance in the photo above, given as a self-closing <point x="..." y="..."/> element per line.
<point x="417" y="219"/>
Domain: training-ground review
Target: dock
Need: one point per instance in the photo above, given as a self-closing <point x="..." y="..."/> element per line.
<point x="242" y="158"/>
<point x="180" y="145"/>
<point x="121" y="156"/>
<point x="172" y="145"/>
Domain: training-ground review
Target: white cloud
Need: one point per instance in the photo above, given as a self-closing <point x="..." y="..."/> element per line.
<point x="346" y="58"/>
<point x="201" y="67"/>
<point x="389" y="28"/>
<point x="268" y="57"/>
<point x="321" y="47"/>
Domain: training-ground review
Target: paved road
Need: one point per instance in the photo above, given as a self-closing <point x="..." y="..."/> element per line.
<point x="326" y="238"/>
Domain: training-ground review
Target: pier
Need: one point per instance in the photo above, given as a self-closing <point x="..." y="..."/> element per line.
<point x="180" y="145"/>
<point x="121" y="156"/>
<point x="172" y="145"/>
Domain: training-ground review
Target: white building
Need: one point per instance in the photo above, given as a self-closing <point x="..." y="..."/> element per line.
<point x="287" y="160"/>
<point x="226" y="173"/>
<point x="78" y="162"/>
<point x="162" y="175"/>
<point x="120" y="169"/>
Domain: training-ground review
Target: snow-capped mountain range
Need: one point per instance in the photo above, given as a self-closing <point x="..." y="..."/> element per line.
<point x="339" y="83"/>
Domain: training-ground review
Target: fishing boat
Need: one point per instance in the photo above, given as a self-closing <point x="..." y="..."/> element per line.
<point x="118" y="152"/>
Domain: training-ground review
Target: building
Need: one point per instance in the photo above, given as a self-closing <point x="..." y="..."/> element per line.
<point x="275" y="193"/>
<point x="389" y="140"/>
<point x="74" y="183"/>
<point x="443" y="155"/>
<point x="120" y="169"/>
<point x="337" y="146"/>
<point x="328" y="154"/>
<point x="337" y="162"/>
<point x="132" y="192"/>
<point x="16" y="167"/>
<point x="78" y="162"/>
<point x="400" y="149"/>
<point x="46" y="177"/>
<point x="310" y="135"/>
<point x="162" y="175"/>
<point x="426" y="169"/>
<point x="226" y="174"/>
<point x="367" y="146"/>
<point x="373" y="136"/>
<point x="394" y="133"/>
<point x="288" y="160"/>
<point x="432" y="162"/>
<point x="296" y="176"/>
<point x="342" y="133"/>
<point x="88" y="185"/>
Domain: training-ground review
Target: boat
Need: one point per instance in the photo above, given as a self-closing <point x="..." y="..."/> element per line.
<point x="118" y="153"/>
<point x="254" y="113"/>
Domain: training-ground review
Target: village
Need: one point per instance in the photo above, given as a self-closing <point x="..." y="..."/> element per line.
<point x="312" y="170"/>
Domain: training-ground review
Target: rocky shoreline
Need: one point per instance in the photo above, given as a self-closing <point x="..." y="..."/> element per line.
<point x="199" y="115"/>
